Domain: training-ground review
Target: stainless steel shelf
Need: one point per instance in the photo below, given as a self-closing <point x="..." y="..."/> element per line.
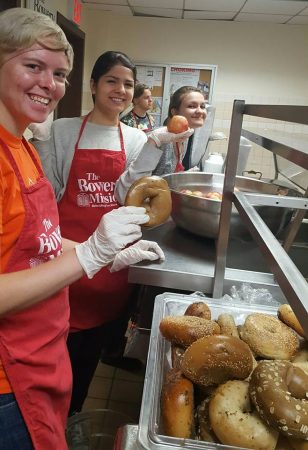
<point x="190" y="263"/>
<point x="289" y="278"/>
<point x="288" y="113"/>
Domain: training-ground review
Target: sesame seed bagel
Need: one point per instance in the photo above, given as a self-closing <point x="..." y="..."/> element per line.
<point x="233" y="420"/>
<point x="279" y="392"/>
<point x="268" y="337"/>
<point x="198" y="309"/>
<point x="301" y="355"/>
<point x="184" y="330"/>
<point x="215" y="359"/>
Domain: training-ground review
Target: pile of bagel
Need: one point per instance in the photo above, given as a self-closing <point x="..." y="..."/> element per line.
<point x="240" y="385"/>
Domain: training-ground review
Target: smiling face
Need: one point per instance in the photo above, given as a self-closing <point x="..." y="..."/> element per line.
<point x="193" y="107"/>
<point x="113" y="92"/>
<point x="32" y="82"/>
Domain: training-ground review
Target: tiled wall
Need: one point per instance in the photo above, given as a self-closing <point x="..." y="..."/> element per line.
<point x="259" y="158"/>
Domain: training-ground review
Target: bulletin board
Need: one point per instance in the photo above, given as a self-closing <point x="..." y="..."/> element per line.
<point x="154" y="77"/>
<point x="164" y="79"/>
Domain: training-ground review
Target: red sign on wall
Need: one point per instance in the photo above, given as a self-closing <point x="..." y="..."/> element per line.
<point x="74" y="11"/>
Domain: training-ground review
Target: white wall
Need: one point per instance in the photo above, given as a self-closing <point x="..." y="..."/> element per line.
<point x="260" y="63"/>
<point x="269" y="60"/>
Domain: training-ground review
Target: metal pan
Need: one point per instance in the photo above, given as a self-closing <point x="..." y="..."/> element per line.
<point x="201" y="216"/>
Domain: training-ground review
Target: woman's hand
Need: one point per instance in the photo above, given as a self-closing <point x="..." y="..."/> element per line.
<point x="163" y="136"/>
<point x="117" y="229"/>
<point x="140" y="251"/>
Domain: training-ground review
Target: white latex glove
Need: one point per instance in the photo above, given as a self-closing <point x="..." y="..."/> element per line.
<point x="116" y="230"/>
<point x="163" y="136"/>
<point x="193" y="169"/>
<point x="140" y="251"/>
<point x="41" y="131"/>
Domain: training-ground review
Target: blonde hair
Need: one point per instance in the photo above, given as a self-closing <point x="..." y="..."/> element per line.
<point x="20" y="28"/>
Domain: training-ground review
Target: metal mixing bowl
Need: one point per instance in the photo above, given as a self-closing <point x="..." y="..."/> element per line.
<point x="201" y="216"/>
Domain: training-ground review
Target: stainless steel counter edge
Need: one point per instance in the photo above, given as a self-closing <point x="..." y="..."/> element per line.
<point x="171" y="279"/>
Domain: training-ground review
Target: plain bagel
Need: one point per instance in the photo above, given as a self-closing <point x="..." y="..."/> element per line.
<point x="153" y="194"/>
<point x="286" y="315"/>
<point x="177" y="405"/>
<point x="227" y="325"/>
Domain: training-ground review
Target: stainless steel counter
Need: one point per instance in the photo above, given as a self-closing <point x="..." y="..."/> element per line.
<point x="190" y="261"/>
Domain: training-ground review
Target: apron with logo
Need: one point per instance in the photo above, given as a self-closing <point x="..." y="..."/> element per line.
<point x="33" y="341"/>
<point x="88" y="196"/>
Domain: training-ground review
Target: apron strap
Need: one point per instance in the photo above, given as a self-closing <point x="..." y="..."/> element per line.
<point x="84" y="122"/>
<point x="179" y="166"/>
<point x="137" y="120"/>
<point x="14" y="164"/>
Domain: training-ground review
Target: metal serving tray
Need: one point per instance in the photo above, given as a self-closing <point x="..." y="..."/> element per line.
<point x="159" y="361"/>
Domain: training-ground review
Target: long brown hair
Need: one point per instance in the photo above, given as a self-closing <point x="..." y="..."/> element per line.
<point x="177" y="97"/>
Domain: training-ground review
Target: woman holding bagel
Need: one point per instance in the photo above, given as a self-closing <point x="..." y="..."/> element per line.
<point x="85" y="158"/>
<point x="37" y="264"/>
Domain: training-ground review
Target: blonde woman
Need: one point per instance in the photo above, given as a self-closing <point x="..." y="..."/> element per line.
<point x="36" y="264"/>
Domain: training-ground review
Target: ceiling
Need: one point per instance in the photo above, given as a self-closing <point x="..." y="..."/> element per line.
<point x="289" y="12"/>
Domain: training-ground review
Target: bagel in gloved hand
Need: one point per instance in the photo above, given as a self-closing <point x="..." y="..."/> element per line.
<point x="153" y="194"/>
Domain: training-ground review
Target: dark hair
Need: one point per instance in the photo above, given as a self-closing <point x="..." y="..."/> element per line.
<point x="139" y="89"/>
<point x="177" y="97"/>
<point x="109" y="59"/>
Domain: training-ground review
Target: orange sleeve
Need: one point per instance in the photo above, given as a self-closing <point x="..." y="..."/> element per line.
<point x="1" y="206"/>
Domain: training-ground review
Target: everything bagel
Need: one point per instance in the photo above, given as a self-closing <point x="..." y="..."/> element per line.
<point x="153" y="194"/>
<point x="233" y="420"/>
